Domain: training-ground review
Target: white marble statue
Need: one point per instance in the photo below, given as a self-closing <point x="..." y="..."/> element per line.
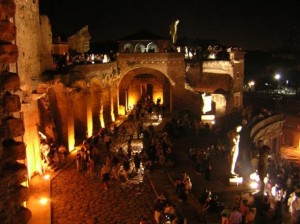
<point x="235" y="141"/>
<point x="173" y="31"/>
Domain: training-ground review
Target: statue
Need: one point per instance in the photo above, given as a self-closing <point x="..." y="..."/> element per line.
<point x="235" y="141"/>
<point x="173" y="31"/>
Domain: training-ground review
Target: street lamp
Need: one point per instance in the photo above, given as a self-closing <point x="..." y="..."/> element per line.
<point x="277" y="76"/>
<point x="251" y="85"/>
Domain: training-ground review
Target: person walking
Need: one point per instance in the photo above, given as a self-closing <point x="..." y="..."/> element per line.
<point x="137" y="162"/>
<point x="62" y="152"/>
<point x="91" y="167"/>
<point x="235" y="216"/>
<point x="126" y="167"/>
<point x="105" y="174"/>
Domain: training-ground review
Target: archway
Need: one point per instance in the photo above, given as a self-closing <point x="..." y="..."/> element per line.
<point x="220" y="102"/>
<point x="144" y="83"/>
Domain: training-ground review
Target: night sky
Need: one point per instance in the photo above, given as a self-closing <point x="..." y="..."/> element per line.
<point x="251" y="25"/>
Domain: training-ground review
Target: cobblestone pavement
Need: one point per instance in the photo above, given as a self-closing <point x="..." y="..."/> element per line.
<point x="76" y="198"/>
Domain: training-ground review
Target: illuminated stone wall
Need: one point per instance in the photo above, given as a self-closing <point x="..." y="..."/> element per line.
<point x="45" y="44"/>
<point x="34" y="40"/>
<point x="13" y="171"/>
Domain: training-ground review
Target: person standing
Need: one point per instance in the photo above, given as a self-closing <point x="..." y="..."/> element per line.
<point x="62" y="152"/>
<point x="45" y="150"/>
<point x="235" y="216"/>
<point x="126" y="167"/>
<point x="91" y="167"/>
<point x="105" y="174"/>
<point x="107" y="141"/>
<point x="137" y="162"/>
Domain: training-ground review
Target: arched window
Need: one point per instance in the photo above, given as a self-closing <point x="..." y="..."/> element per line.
<point x="128" y="48"/>
<point x="152" y="47"/>
<point x="139" y="48"/>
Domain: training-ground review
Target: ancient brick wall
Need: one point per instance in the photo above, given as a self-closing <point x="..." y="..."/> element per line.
<point x="13" y="173"/>
<point x="28" y="36"/>
<point x="34" y="40"/>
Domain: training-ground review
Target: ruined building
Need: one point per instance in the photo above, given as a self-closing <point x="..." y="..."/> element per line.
<point x="67" y="107"/>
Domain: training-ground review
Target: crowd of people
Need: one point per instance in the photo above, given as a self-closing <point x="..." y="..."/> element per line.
<point x="117" y="161"/>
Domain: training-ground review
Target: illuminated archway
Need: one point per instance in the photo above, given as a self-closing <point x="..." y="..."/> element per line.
<point x="139" y="83"/>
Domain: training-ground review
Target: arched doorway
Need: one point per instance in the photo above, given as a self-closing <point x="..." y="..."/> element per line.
<point x="144" y="83"/>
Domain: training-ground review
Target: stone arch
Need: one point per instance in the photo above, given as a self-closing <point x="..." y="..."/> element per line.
<point x="143" y="82"/>
<point x="152" y="47"/>
<point x="128" y="48"/>
<point x="139" y="48"/>
<point x="219" y="100"/>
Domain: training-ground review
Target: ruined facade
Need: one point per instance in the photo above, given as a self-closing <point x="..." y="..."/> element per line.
<point x="96" y="94"/>
<point x="80" y="41"/>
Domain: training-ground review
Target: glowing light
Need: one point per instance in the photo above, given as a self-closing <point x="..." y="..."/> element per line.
<point x="236" y="180"/>
<point x="101" y="117"/>
<point x="206" y="103"/>
<point x="44" y="200"/>
<point x="46" y="177"/>
<point x="277" y="76"/>
<point x="212" y="56"/>
<point x="105" y="59"/>
<point x="71" y="140"/>
<point x="254" y="185"/>
<point x="42" y="135"/>
<point x="208" y="117"/>
<point x="133" y="99"/>
<point x="89" y="123"/>
<point x="254" y="176"/>
<point x="251" y="83"/>
<point x="121" y="110"/>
